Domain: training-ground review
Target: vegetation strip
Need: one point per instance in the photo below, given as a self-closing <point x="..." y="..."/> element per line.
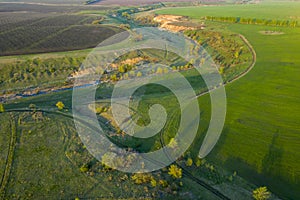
<point x="253" y="59"/>
<point x="242" y="74"/>
<point x="239" y="20"/>
<point x="10" y="157"/>
<point x="195" y="179"/>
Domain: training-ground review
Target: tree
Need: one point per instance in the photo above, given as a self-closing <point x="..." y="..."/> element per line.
<point x="189" y="162"/>
<point x="138" y="37"/>
<point x="37" y="61"/>
<point x="175" y="171"/>
<point x="60" y="105"/>
<point x="32" y="106"/>
<point x="237" y="54"/>
<point x="99" y="110"/>
<point x="159" y="70"/>
<point x="153" y="183"/>
<point x="1" y="108"/>
<point x="261" y="193"/>
<point x="125" y="26"/>
<point x="125" y="76"/>
<point x="114" y="77"/>
<point x="221" y="70"/>
<point x="139" y="74"/>
<point x="163" y="183"/>
<point x="173" y="143"/>
<point x="166" y="70"/>
<point x="198" y="162"/>
<point x="140" y="178"/>
<point x="122" y="69"/>
<point x="84" y="168"/>
<point x="202" y="61"/>
<point x="132" y="73"/>
<point x="126" y="15"/>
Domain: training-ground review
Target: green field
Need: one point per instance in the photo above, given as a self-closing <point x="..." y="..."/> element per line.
<point x="261" y="135"/>
<point x="262" y="128"/>
<point x="288" y="10"/>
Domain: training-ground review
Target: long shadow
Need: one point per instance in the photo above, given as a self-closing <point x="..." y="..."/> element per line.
<point x="271" y="175"/>
<point x="271" y="163"/>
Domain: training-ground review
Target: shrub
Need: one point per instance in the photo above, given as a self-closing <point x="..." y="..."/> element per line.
<point x="198" y="162"/>
<point x="159" y="70"/>
<point x="1" y="108"/>
<point x="173" y="143"/>
<point x="84" y="168"/>
<point x="60" y="105"/>
<point x="189" y="162"/>
<point x="163" y="183"/>
<point x="141" y="178"/>
<point x="153" y="183"/>
<point x="175" y="171"/>
<point x="261" y="193"/>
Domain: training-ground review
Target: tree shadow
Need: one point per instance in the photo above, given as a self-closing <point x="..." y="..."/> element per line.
<point x="271" y="175"/>
<point x="272" y="162"/>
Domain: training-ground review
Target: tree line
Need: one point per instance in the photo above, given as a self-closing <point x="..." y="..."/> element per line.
<point x="34" y="72"/>
<point x="241" y="20"/>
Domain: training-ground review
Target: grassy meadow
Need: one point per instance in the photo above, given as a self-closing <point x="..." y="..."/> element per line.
<point x="261" y="135"/>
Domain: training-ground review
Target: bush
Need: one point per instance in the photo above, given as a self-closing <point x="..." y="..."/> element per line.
<point x="189" y="162"/>
<point x="163" y="183"/>
<point x="1" y="108"/>
<point x="141" y="178"/>
<point x="175" y="171"/>
<point x="153" y="183"/>
<point x="198" y="162"/>
<point x="84" y="168"/>
<point x="261" y="193"/>
<point x="60" y="105"/>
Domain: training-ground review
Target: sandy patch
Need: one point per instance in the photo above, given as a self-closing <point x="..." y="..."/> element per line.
<point x="271" y="32"/>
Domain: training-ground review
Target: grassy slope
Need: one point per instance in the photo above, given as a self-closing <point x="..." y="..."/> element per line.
<point x="261" y="135"/>
<point x="262" y="127"/>
<point x="41" y="169"/>
<point x="75" y="53"/>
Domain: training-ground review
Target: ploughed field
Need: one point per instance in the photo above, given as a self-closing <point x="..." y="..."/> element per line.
<point x="39" y="28"/>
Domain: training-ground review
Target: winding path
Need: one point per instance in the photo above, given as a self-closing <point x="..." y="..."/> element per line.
<point x="240" y="75"/>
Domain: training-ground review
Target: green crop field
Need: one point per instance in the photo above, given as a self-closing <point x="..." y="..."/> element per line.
<point x="263" y="113"/>
<point x="261" y="135"/>
<point x="288" y="10"/>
